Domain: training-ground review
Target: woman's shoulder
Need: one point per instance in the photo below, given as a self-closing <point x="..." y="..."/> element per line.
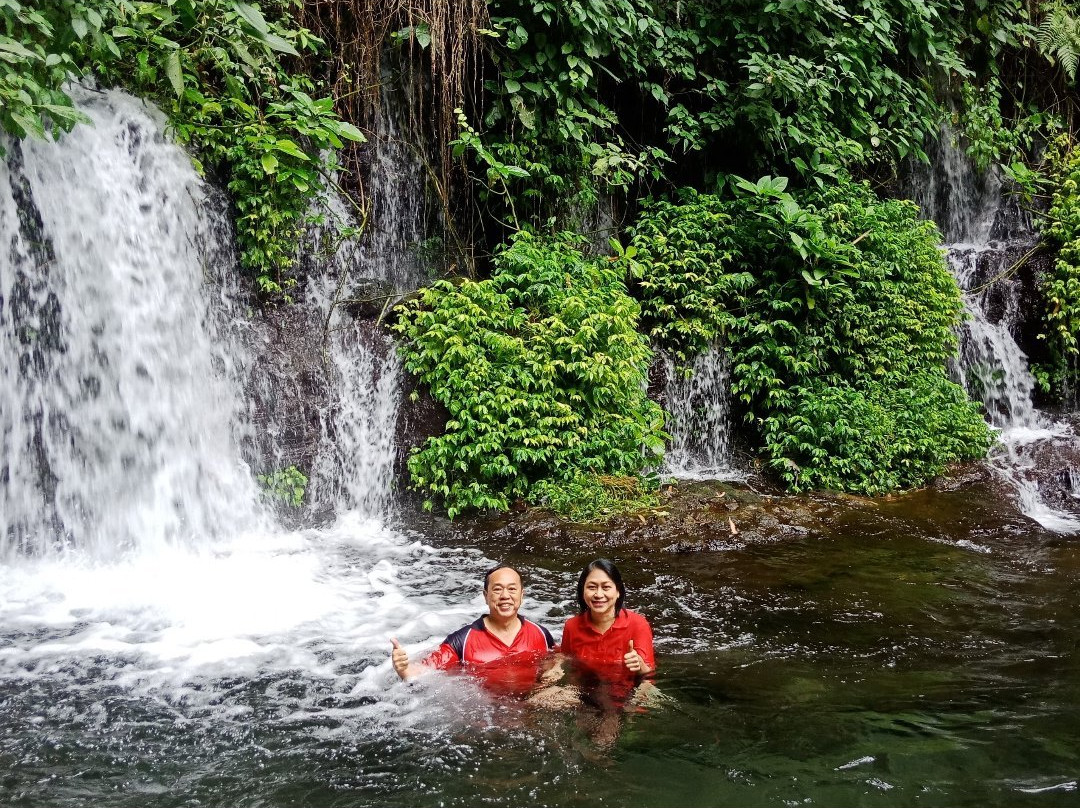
<point x="635" y="617"/>
<point x="574" y="620"/>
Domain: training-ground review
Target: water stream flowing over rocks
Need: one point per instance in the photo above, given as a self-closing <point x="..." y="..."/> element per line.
<point x="991" y="247"/>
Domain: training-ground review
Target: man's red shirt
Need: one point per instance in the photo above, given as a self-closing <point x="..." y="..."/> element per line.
<point x="507" y="668"/>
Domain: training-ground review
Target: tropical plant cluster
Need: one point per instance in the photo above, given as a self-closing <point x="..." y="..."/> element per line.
<point x="1062" y="286"/>
<point x="599" y="96"/>
<point x="838" y="313"/>
<point x="286" y="486"/>
<point x="542" y="372"/>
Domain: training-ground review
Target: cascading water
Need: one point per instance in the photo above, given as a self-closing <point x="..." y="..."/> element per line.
<point x="355" y="468"/>
<point x="986" y="237"/>
<point x="698" y="417"/>
<point x="120" y="392"/>
<point x="147" y="597"/>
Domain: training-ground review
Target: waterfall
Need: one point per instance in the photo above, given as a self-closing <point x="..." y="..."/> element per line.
<point x="992" y="366"/>
<point x="121" y="395"/>
<point x="140" y="570"/>
<point x="696" y="400"/>
<point x="367" y="273"/>
<point x="987" y="236"/>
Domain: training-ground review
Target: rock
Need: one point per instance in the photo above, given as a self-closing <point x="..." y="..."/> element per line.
<point x="369" y="298"/>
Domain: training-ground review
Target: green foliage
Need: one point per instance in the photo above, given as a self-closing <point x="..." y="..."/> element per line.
<point x="33" y="67"/>
<point x="987" y="138"/>
<point x="1058" y="38"/>
<point x="541" y="371"/>
<point x="875" y="435"/>
<point x="218" y="69"/>
<point x="594" y="498"/>
<point x="593" y="96"/>
<point x="286" y="485"/>
<point x="1061" y="288"/>
<point x="838" y="313"/>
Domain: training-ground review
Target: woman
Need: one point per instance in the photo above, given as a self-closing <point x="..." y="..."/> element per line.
<point x="606" y="639"/>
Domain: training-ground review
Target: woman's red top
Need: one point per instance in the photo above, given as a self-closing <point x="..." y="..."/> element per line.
<point x="603" y="653"/>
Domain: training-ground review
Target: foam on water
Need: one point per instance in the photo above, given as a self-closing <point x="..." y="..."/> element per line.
<point x="314" y="601"/>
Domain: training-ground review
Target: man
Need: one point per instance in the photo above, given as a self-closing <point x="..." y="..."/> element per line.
<point x="503" y="647"/>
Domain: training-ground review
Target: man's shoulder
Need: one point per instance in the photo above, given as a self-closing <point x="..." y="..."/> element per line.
<point x="456" y="639"/>
<point x="475" y="625"/>
<point x="532" y="626"/>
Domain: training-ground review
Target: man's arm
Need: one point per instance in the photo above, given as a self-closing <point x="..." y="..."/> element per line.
<point x="441" y="658"/>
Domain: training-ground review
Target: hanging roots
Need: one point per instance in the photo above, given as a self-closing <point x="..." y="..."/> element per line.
<point x="359" y="33"/>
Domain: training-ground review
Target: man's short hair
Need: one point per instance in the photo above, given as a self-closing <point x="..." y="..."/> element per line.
<point x="493" y="570"/>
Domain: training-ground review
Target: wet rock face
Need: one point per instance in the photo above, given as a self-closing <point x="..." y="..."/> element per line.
<point x="369" y="298"/>
<point x="293" y="392"/>
<point x="714" y="518"/>
<point x="701" y="516"/>
<point x="288" y="387"/>
<point x="1054" y="466"/>
<point x="419" y="417"/>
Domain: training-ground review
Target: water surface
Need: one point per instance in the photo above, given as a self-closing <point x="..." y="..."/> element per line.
<point x="922" y="651"/>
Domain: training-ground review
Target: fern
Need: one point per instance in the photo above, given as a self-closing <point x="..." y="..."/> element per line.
<point x="1058" y="38"/>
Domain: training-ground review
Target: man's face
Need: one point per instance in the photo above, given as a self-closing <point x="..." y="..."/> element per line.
<point x="504" y="593"/>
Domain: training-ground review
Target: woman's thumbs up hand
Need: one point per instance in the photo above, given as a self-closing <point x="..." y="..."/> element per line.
<point x="633" y="661"/>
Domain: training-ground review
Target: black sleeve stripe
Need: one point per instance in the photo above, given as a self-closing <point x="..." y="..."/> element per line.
<point x="457" y="641"/>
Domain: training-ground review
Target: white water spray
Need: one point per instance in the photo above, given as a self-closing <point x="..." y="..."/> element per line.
<point x="699" y="417"/>
<point x="119" y="403"/>
<point x="355" y="469"/>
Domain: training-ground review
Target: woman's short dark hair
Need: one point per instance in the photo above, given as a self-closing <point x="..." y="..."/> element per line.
<point x="612" y="572"/>
<point x="493" y="570"/>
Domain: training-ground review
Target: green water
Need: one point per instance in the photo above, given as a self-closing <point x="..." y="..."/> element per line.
<point x="923" y="651"/>
<point x="918" y="652"/>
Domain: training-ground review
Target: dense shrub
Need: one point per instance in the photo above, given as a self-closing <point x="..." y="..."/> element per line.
<point x="1061" y="287"/>
<point x="542" y="372"/>
<point x="839" y="314"/>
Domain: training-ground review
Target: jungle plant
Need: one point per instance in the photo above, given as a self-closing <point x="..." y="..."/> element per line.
<point x="542" y="374"/>
<point x="838" y="313"/>
<point x="987" y="138"/>
<point x="287" y="485"/>
<point x="1061" y="288"/>
<point x="596" y="497"/>
<point x="218" y="68"/>
<point x="596" y="96"/>
<point x="1059" y="39"/>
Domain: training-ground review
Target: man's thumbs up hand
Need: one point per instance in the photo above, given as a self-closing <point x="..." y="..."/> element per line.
<point x="399" y="657"/>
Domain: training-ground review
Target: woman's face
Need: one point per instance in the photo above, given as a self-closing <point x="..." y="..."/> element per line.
<point x="600" y="594"/>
